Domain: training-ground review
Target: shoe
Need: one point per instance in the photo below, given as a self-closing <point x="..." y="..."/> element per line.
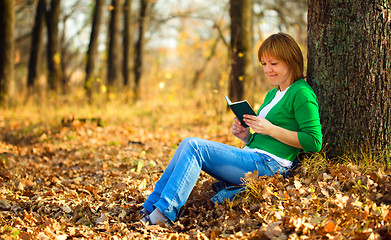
<point x="144" y="212"/>
<point x="146" y="221"/>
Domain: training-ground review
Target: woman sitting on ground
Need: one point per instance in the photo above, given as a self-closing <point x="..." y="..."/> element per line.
<point x="287" y="122"/>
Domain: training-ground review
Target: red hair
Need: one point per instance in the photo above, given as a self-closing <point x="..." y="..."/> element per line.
<point x="283" y="47"/>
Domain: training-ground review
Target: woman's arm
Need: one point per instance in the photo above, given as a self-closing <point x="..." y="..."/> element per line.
<point x="263" y="126"/>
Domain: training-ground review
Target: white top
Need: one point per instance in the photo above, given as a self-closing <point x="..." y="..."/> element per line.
<point x="263" y="113"/>
<point x="276" y="99"/>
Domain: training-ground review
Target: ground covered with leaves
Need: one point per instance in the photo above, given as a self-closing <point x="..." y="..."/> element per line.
<point x="84" y="179"/>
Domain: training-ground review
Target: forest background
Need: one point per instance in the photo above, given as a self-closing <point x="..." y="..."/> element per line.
<point x="98" y="94"/>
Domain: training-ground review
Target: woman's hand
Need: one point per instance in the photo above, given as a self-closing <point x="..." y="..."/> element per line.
<point x="263" y="126"/>
<point x="241" y="132"/>
<point x="259" y="124"/>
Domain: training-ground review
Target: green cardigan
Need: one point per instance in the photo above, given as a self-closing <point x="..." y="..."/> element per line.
<point x="297" y="111"/>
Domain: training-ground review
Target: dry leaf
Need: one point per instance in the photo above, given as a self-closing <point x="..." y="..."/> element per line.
<point x="121" y="186"/>
<point x="42" y="236"/>
<point x="330" y="227"/>
<point x="252" y="176"/>
<point x="102" y="219"/>
<point x="274" y="231"/>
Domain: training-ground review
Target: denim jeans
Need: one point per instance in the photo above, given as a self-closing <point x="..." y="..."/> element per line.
<point x="221" y="161"/>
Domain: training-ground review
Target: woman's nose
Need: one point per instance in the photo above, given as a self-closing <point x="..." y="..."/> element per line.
<point x="267" y="69"/>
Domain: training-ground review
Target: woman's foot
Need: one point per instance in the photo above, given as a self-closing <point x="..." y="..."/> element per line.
<point x="155" y="217"/>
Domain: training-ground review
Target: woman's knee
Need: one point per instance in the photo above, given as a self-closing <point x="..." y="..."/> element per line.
<point x="194" y="146"/>
<point x="192" y="141"/>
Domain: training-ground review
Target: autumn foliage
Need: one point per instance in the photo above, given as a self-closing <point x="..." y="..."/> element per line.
<point x="85" y="176"/>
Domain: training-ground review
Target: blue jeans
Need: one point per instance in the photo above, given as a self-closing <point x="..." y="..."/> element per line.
<point x="221" y="161"/>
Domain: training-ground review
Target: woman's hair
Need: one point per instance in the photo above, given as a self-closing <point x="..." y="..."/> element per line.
<point x="283" y="47"/>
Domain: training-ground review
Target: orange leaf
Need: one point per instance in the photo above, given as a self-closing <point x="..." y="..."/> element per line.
<point x="388" y="216"/>
<point x="330" y="227"/>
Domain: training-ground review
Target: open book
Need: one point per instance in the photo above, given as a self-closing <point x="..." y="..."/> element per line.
<point x="240" y="108"/>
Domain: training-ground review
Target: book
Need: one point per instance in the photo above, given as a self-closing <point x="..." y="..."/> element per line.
<point x="240" y="108"/>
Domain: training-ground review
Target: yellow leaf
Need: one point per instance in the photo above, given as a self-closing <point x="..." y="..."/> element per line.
<point x="57" y="58"/>
<point x="140" y="164"/>
<point x="142" y="185"/>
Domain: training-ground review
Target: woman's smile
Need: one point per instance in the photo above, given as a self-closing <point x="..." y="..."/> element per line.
<point x="277" y="71"/>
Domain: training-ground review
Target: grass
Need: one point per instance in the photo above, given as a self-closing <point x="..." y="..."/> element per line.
<point x="179" y="110"/>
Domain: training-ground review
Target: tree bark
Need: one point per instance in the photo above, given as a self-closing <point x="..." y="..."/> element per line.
<point x="349" y="67"/>
<point x="114" y="56"/>
<point x="53" y="52"/>
<point x="127" y="41"/>
<point x="142" y="25"/>
<point x="92" y="52"/>
<point x="36" y="44"/>
<point x="7" y="23"/>
<point x="241" y="52"/>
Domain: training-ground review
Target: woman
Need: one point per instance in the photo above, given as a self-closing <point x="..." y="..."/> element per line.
<point x="287" y="122"/>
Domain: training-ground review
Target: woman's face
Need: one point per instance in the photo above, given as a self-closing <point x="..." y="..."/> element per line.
<point x="277" y="71"/>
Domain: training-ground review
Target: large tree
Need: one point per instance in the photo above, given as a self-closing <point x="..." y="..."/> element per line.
<point x="7" y="22"/>
<point x="127" y="41"/>
<point x="140" y="42"/>
<point x="92" y="52"/>
<point x="114" y="50"/>
<point x="36" y="44"/>
<point x="241" y="44"/>
<point x="349" y="67"/>
<point x="53" y="51"/>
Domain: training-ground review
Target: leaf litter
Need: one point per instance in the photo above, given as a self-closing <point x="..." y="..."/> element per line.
<point x="86" y="181"/>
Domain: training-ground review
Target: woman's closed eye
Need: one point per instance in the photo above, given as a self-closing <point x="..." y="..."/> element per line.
<point x="272" y="63"/>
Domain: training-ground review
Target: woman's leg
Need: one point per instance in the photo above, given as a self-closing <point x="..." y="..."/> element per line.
<point x="161" y="183"/>
<point x="219" y="160"/>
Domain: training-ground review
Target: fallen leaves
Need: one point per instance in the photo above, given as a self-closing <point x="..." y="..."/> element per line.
<point x="81" y="180"/>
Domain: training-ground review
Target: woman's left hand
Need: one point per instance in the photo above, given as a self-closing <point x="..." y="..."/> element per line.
<point x="259" y="124"/>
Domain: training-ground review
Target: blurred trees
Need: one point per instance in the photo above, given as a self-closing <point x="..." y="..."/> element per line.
<point x="53" y="52"/>
<point x="349" y="68"/>
<point x="114" y="50"/>
<point x="140" y="43"/>
<point x="92" y="53"/>
<point x="36" y="41"/>
<point x="128" y="42"/>
<point x="290" y="16"/>
<point x="7" y="23"/>
<point x="184" y="43"/>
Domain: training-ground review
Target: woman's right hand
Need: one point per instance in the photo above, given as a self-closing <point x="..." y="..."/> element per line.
<point x="241" y="132"/>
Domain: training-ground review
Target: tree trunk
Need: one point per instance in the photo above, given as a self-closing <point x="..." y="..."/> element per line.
<point x="127" y="41"/>
<point x="114" y="51"/>
<point x="92" y="52"/>
<point x="138" y="65"/>
<point x="198" y="74"/>
<point x="7" y="23"/>
<point x="349" y="67"/>
<point x="241" y="52"/>
<point x="54" y="56"/>
<point x="36" y="44"/>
